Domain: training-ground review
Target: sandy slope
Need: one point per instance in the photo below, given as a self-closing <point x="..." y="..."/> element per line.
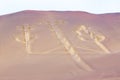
<point x="56" y="66"/>
<point x="48" y="63"/>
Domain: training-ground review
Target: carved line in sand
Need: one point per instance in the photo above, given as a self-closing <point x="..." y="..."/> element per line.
<point x="68" y="46"/>
<point x="27" y="38"/>
<point x="83" y="33"/>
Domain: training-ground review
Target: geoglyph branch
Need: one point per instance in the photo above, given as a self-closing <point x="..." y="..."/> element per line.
<point x="27" y="38"/>
<point x="68" y="46"/>
<point x="84" y="34"/>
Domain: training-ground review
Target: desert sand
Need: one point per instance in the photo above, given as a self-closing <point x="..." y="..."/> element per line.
<point x="47" y="48"/>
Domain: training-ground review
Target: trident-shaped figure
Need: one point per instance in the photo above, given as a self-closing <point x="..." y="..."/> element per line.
<point x="84" y="34"/>
<point x="26" y="38"/>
